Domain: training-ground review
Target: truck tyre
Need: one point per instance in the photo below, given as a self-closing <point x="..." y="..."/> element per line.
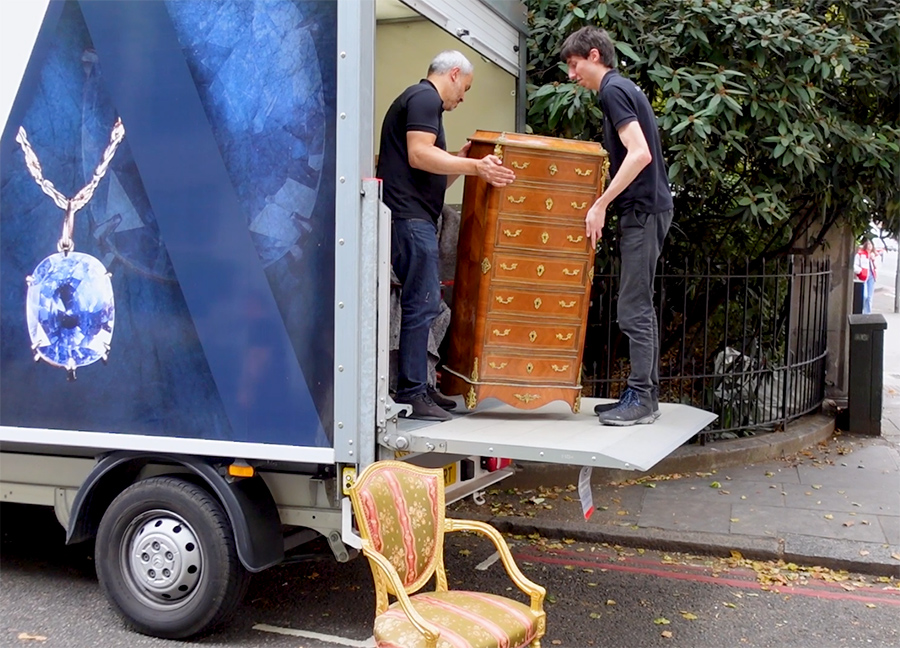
<point x="166" y="559"/>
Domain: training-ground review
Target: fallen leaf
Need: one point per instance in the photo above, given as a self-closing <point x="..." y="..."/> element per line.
<point x="731" y="605"/>
<point x="666" y="633"/>
<point x="556" y="642"/>
<point x="895" y="556"/>
<point x="828" y="516"/>
<point x="610" y="602"/>
<point x="870" y="605"/>
<point x="863" y="552"/>
<point x="769" y="473"/>
<point x="735" y="519"/>
<point x="725" y="492"/>
<point x="661" y="621"/>
<point x="817" y="486"/>
<point x="715" y="485"/>
<point x="689" y="616"/>
<point x="737" y="555"/>
<point x="595" y="615"/>
<point x="568" y="541"/>
<point x="464" y="552"/>
<point x="849" y="523"/>
<point x="24" y="636"/>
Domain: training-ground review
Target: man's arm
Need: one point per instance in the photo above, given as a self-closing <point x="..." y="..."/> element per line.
<point x="637" y="157"/>
<point x="425" y="156"/>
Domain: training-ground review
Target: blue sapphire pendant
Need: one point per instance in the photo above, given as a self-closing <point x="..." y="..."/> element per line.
<point x="70" y="311"/>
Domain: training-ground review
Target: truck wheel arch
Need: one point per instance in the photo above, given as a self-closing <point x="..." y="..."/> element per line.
<point x="248" y="503"/>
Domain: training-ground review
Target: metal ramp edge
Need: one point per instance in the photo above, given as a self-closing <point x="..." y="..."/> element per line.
<point x="553" y="434"/>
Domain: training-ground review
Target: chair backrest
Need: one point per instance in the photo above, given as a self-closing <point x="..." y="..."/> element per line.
<point x="400" y="510"/>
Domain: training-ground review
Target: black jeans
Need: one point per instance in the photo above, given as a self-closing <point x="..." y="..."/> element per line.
<point x="414" y="257"/>
<point x="641" y="237"/>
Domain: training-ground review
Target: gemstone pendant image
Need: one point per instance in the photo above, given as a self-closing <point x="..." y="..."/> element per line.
<point x="70" y="311"/>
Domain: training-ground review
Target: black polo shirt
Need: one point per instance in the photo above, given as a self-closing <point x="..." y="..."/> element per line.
<point x="409" y="192"/>
<point x="622" y="102"/>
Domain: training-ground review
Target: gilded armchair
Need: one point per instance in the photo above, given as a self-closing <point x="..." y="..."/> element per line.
<point x="399" y="510"/>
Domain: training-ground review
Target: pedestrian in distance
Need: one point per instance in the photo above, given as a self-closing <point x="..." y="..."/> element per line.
<point x="639" y="192"/>
<point x="416" y="169"/>
<point x="865" y="268"/>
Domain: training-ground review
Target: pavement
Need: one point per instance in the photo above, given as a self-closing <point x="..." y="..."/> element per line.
<point x="810" y="495"/>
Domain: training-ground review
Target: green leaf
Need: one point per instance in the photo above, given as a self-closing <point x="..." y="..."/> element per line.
<point x="626" y="49"/>
<point x="578" y="12"/>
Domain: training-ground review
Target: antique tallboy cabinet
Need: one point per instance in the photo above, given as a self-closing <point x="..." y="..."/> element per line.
<point x="524" y="272"/>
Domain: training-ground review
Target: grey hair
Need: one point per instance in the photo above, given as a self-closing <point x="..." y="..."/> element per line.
<point x="447" y="60"/>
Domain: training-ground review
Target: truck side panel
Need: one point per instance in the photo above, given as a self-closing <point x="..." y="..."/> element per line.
<point x="215" y="218"/>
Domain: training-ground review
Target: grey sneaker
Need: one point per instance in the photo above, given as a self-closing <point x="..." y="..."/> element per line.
<point x="606" y="407"/>
<point x="440" y="400"/>
<point x="425" y="409"/>
<point x="628" y="411"/>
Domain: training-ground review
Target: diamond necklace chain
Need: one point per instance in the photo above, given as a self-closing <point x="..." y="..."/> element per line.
<point x="83" y="197"/>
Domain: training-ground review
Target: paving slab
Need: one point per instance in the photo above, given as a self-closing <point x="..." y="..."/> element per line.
<point x="681" y="515"/>
<point x="859" y="500"/>
<point x="868" y="558"/>
<point x="767" y="520"/>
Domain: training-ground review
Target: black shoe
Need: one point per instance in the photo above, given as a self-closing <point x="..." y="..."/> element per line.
<point x="628" y="411"/>
<point x="606" y="407"/>
<point x="440" y="400"/>
<point x="425" y="409"/>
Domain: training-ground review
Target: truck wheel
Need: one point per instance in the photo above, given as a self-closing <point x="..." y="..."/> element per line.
<point x="166" y="559"/>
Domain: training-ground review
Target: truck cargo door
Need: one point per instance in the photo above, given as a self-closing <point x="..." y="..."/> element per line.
<point x="553" y="434"/>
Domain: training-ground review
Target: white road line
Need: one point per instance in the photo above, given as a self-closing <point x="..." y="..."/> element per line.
<point x="341" y="641"/>
<point x="487" y="562"/>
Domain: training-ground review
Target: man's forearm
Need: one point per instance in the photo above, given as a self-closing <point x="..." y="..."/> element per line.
<point x="437" y="161"/>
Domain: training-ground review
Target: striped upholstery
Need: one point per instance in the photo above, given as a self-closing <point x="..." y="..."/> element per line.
<point x="466" y="620"/>
<point x="402" y="516"/>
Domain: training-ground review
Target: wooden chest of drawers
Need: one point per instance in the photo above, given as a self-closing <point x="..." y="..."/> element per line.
<point x="524" y="272"/>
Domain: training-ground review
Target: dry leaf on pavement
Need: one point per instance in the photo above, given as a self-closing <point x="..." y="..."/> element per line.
<point x="24" y="636"/>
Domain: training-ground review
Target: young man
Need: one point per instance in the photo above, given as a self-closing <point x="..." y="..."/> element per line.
<point x="639" y="190"/>
<point x="416" y="170"/>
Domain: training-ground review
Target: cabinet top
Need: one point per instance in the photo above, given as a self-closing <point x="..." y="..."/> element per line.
<point x="539" y="142"/>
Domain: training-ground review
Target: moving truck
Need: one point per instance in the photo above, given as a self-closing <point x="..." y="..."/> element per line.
<point x="194" y="283"/>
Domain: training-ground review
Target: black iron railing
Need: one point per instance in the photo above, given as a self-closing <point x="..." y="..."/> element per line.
<point x="746" y="341"/>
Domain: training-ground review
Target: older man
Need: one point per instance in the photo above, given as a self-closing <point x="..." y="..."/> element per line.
<point x="416" y="170"/>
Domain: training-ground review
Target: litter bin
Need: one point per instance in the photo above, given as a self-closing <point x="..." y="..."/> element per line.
<point x="866" y="373"/>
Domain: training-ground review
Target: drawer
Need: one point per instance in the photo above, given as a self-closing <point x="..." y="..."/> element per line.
<point x="547" y="336"/>
<point x="545" y="201"/>
<point x="521" y="234"/>
<point x="513" y="300"/>
<point x="509" y="367"/>
<point x="515" y="267"/>
<point x="554" y="169"/>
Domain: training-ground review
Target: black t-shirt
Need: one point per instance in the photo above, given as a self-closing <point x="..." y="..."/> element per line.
<point x="622" y="102"/>
<point x="409" y="192"/>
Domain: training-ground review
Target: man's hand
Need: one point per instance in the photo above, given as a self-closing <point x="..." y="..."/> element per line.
<point x="490" y="169"/>
<point x="464" y="151"/>
<point x="594" y="222"/>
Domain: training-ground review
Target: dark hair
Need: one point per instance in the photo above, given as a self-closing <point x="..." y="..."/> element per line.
<point x="581" y="43"/>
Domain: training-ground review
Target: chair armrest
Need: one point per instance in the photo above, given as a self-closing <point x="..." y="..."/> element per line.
<point x="535" y="591"/>
<point x="428" y="630"/>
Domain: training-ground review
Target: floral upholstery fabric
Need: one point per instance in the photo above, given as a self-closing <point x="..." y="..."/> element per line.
<point x="466" y="620"/>
<point x="401" y="513"/>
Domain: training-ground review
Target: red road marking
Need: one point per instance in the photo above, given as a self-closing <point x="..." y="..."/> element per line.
<point x="795" y="589"/>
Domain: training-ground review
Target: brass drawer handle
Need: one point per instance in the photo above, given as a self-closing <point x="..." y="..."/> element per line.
<point x="559" y="369"/>
<point x="577" y="206"/>
<point x="564" y="338"/>
<point x="494" y="365"/>
<point x="564" y="304"/>
<point x="571" y="273"/>
<point x="553" y="170"/>
<point x="537" y="303"/>
<point x="573" y="239"/>
<point x="520" y="200"/>
<point x="503" y="266"/>
<point x="583" y="173"/>
<point x="507" y="300"/>
<point x="499" y="334"/>
<point x="524" y="165"/>
<point x="527" y="398"/>
<point x="512" y="234"/>
<point x="549" y="203"/>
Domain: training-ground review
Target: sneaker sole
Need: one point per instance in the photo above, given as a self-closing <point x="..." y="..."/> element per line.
<point x="641" y="421"/>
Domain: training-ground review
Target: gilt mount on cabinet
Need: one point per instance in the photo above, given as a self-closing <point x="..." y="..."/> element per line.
<point x="524" y="272"/>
